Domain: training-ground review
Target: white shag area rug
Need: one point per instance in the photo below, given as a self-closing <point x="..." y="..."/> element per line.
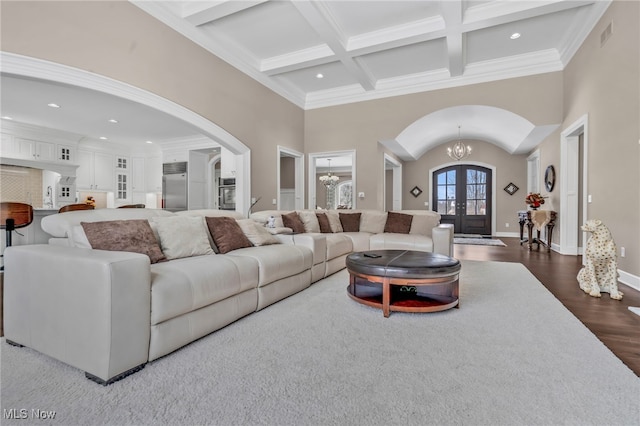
<point x="479" y="241"/>
<point x="511" y="355"/>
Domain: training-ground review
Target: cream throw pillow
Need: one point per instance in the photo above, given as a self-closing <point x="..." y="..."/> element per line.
<point x="310" y="220"/>
<point x="334" y="221"/>
<point x="373" y="222"/>
<point x="183" y="236"/>
<point x="256" y="233"/>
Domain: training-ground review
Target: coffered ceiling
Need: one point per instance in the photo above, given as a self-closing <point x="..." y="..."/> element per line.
<point x="330" y="52"/>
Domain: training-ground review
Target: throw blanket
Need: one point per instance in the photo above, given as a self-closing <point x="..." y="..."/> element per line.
<point x="540" y="218"/>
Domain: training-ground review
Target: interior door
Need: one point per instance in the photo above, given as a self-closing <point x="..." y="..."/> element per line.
<point x="462" y="196"/>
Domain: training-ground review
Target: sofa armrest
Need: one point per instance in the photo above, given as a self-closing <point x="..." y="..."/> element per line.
<point x="87" y="308"/>
<point x="443" y="239"/>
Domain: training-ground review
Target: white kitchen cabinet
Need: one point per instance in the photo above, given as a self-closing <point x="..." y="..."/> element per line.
<point x="137" y="174"/>
<point x="96" y="171"/>
<point x="44" y="151"/>
<point x="66" y="154"/>
<point x="28" y="149"/>
<point x="153" y="174"/>
<point x="227" y="163"/>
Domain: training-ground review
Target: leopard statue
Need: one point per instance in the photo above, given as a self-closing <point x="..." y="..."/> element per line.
<point x="600" y="271"/>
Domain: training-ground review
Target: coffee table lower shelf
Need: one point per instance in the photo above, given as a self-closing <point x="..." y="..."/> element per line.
<point x="410" y="304"/>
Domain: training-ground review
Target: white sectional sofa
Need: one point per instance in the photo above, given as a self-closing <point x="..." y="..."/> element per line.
<point x="110" y="312"/>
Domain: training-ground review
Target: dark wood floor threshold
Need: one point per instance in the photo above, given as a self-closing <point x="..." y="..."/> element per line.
<point x="610" y="320"/>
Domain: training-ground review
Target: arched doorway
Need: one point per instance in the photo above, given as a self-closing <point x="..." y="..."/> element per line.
<point x="462" y="194"/>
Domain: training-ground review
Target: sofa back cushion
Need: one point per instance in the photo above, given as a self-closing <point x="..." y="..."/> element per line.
<point x="183" y="236"/>
<point x="61" y="225"/>
<point x="398" y="223"/>
<point x="227" y="234"/>
<point x="124" y="235"/>
<point x="350" y="221"/>
<point x="293" y="221"/>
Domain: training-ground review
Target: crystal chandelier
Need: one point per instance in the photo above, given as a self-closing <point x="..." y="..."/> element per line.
<point x="459" y="150"/>
<point x="329" y="180"/>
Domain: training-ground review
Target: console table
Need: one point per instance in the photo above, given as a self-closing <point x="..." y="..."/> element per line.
<point x="522" y="220"/>
<point x="540" y="219"/>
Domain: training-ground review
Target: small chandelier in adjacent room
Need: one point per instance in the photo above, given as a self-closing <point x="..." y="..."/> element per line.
<point x="459" y="150"/>
<point x="329" y="180"/>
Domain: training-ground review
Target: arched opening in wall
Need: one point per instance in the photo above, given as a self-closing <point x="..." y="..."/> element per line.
<point x="32" y="68"/>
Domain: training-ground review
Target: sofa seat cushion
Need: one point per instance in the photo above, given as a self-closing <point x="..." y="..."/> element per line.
<point x="277" y="261"/>
<point x="390" y="240"/>
<point x="359" y="240"/>
<point x="338" y="245"/>
<point x="184" y="285"/>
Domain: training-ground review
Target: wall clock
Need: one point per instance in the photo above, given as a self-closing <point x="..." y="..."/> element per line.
<point x="550" y="178"/>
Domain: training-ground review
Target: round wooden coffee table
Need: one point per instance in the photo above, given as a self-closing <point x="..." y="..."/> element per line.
<point x="403" y="280"/>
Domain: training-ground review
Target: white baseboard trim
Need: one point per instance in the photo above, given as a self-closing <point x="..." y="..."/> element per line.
<point x="631" y="280"/>
<point x="508" y="234"/>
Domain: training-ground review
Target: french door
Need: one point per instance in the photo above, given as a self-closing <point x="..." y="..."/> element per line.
<point x="462" y="196"/>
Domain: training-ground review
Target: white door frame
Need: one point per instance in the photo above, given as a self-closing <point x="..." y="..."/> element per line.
<point x="494" y="180"/>
<point x="212" y="184"/>
<point x="396" y="167"/>
<point x="569" y="181"/>
<point x="312" y="173"/>
<point x="299" y="175"/>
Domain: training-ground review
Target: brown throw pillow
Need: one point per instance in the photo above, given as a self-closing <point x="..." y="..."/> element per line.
<point x="124" y="235"/>
<point x="227" y="234"/>
<point x="398" y="223"/>
<point x="293" y="221"/>
<point x="350" y="222"/>
<point x="323" y="220"/>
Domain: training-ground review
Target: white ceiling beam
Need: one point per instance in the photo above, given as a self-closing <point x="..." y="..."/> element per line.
<point x="318" y="17"/>
<point x="200" y="12"/>
<point x="452" y="14"/>
<point x="501" y="12"/>
<point x="396" y="36"/>
<point x="300" y="59"/>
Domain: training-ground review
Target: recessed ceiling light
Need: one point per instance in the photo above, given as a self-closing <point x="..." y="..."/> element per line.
<point x="104" y="138"/>
<point x="515" y="36"/>
<point x="6" y="117"/>
<point x="319" y="75"/>
<point x="52" y="105"/>
<point x="113" y="120"/>
<point x="149" y="142"/>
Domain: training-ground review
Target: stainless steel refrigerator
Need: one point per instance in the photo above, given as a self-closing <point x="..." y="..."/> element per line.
<point x="174" y="186"/>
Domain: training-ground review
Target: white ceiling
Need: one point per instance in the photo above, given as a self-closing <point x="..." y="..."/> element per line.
<point x="370" y="49"/>
<point x="365" y="50"/>
<point x="86" y="113"/>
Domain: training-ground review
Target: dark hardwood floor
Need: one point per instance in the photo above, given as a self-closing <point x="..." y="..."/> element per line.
<point x="610" y="320"/>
